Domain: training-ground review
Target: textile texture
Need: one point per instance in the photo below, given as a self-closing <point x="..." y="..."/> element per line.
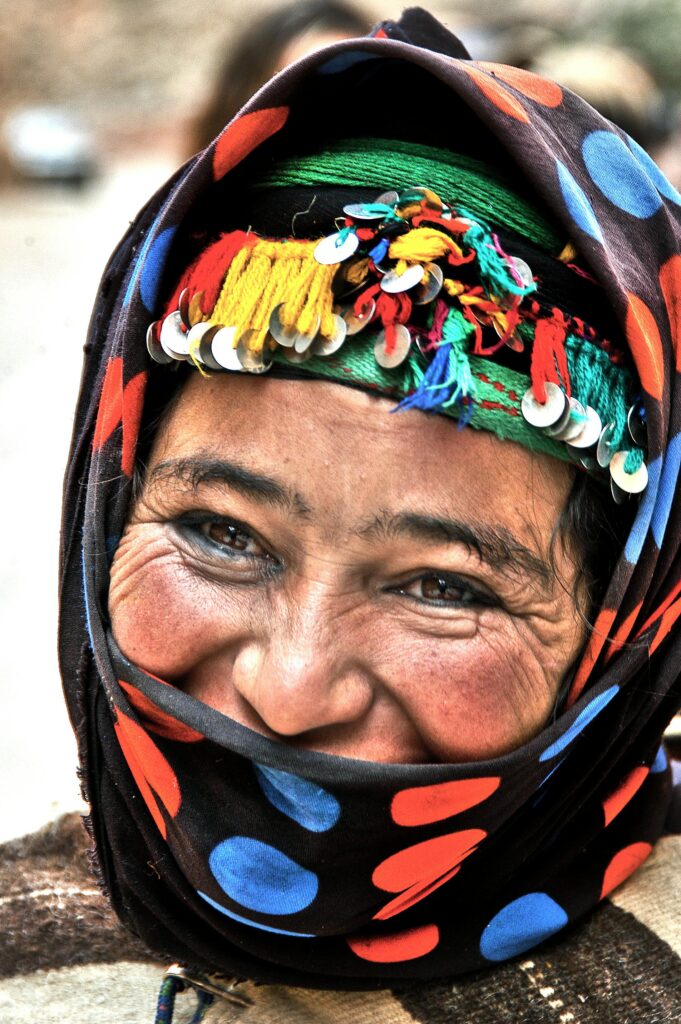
<point x="234" y="853"/>
<point x="65" y="957"/>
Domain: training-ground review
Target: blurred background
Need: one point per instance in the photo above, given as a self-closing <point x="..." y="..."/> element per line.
<point x="100" y="100"/>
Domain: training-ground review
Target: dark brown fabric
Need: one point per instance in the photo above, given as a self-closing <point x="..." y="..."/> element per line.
<point x="52" y="912"/>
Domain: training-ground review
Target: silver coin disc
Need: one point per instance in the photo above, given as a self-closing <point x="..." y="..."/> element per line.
<point x="590" y="432"/>
<point x="630" y="483"/>
<point x="394" y="283"/>
<point x="336" y="248"/>
<point x="618" y="494"/>
<point x="297" y="357"/>
<point x="389" y="360"/>
<point x="575" y="423"/>
<point x="430" y="286"/>
<point x="252" y="362"/>
<point x="173" y="339"/>
<point x="157" y="353"/>
<point x="223" y="350"/>
<point x="637" y="427"/>
<point x="196" y="334"/>
<point x="354" y="322"/>
<point x="388" y="198"/>
<point x="523" y="270"/>
<point x="323" y="346"/>
<point x="183" y="306"/>
<point x="545" y="414"/>
<point x="364" y="211"/>
<point x="604" y="452"/>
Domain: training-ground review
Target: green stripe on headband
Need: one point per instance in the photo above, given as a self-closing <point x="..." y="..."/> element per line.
<point x="384" y="163"/>
<point x="498" y="389"/>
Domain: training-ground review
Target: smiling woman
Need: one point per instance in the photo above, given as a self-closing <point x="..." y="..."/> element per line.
<point x="323" y="603"/>
<point x="370" y="591"/>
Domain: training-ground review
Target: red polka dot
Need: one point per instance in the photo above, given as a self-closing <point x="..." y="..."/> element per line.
<point x="149" y="768"/>
<point x="621" y="797"/>
<point x="670" y="283"/>
<point x="599" y="635"/>
<point x="623" y="632"/>
<point x="243" y="135"/>
<point x="497" y="94"/>
<point x="390" y="949"/>
<point x="159" y="721"/>
<point x="120" y="405"/>
<point x="425" y="804"/>
<point x="624" y="864"/>
<point x="646" y="346"/>
<point x="541" y="90"/>
<point x="666" y="622"/>
<point x="422" y="868"/>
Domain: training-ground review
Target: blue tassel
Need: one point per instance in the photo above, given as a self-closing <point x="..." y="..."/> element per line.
<point x="379" y="250"/>
<point x="448" y="379"/>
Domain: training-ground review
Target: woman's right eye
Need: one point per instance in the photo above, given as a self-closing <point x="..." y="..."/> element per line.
<point x="231" y="536"/>
<point x="226" y="538"/>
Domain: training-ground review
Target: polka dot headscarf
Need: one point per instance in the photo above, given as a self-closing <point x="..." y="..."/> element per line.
<point x="233" y="853"/>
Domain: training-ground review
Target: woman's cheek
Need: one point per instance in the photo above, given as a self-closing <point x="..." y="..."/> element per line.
<point x="475" y="699"/>
<point x="165" y="618"/>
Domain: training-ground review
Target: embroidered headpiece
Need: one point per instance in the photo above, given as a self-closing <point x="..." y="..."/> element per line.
<point x="419" y="298"/>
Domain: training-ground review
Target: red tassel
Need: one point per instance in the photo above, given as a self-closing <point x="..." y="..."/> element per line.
<point x="549" y="360"/>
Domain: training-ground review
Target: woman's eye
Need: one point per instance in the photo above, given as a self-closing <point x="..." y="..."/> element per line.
<point x="444" y="590"/>
<point x="230" y="536"/>
<point x="224" y="537"/>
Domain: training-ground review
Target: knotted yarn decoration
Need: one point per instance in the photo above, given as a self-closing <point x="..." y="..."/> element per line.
<point x="448" y="380"/>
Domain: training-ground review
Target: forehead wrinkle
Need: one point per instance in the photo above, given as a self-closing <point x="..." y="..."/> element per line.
<point x="197" y="471"/>
<point x="496" y="546"/>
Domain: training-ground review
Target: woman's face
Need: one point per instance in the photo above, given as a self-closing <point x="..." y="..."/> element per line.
<point x="346" y="580"/>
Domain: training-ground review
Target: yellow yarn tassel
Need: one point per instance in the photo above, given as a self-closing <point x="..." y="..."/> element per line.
<point x="271" y="274"/>
<point x="423" y="245"/>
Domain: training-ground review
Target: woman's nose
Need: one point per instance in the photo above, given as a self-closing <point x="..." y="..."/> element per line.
<point x="303" y="675"/>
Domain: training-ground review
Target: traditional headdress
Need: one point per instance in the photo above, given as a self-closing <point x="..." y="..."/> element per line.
<point x="440" y="294"/>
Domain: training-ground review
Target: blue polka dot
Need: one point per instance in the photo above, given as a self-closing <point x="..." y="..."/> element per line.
<point x="252" y="924"/>
<point x="579" y="207"/>
<point x="262" y="878"/>
<point x="660" y="763"/>
<point x="521" y="925"/>
<point x="581" y="721"/>
<point x="152" y="267"/>
<point x="639" y="529"/>
<point x="139" y="262"/>
<point x="667" y="489"/>
<point x="302" y="801"/>
<point x="662" y="184"/>
<point x="618" y="175"/>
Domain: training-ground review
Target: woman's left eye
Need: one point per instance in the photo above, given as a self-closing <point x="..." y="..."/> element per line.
<point x="446" y="590"/>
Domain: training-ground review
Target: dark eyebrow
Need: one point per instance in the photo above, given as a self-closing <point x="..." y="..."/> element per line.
<point x="195" y="471"/>
<point x="494" y="545"/>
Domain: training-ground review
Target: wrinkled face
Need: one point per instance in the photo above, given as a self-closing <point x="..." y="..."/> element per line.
<point x="346" y="580"/>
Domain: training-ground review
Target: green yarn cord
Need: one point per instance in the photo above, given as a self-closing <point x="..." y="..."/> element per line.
<point x="456" y="332"/>
<point x="384" y="163"/>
